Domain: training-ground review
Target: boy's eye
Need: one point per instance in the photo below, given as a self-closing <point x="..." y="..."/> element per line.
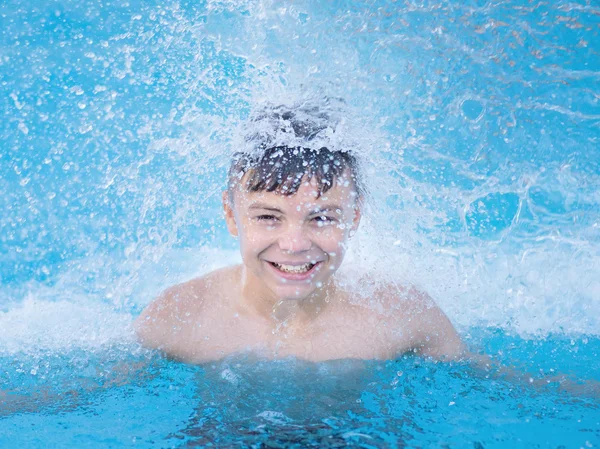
<point x="265" y="217"/>
<point x="323" y="220"/>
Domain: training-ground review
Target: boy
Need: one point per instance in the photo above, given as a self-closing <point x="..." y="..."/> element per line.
<point x="293" y="208"/>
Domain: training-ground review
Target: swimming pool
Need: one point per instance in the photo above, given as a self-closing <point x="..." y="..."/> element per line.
<point x="245" y="403"/>
<point x="482" y="122"/>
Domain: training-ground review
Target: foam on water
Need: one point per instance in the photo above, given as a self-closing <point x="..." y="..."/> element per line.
<point x="69" y="315"/>
<point x="480" y="136"/>
<point x="60" y="326"/>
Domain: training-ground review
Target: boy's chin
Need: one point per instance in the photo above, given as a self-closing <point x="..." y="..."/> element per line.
<point x="295" y="294"/>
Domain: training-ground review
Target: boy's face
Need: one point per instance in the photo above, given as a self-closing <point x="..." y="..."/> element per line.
<point x="293" y="244"/>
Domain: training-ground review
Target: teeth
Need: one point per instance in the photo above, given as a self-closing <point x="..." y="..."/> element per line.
<point x="294" y="268"/>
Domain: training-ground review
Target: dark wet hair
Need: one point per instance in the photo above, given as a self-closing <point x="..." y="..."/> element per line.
<point x="272" y="165"/>
<point x="282" y="169"/>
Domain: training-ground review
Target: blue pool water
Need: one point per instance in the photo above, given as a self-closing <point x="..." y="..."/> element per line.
<point x="248" y="403"/>
<point x="480" y="125"/>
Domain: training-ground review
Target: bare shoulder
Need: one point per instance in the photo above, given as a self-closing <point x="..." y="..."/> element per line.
<point x="166" y="321"/>
<point x="415" y="322"/>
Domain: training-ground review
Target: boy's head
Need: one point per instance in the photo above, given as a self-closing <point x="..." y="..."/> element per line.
<point x="293" y="208"/>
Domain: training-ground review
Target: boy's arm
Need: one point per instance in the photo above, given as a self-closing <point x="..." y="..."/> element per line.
<point x="151" y="327"/>
<point x="433" y="335"/>
<point x="170" y="323"/>
<point x="159" y="326"/>
<point x="74" y="391"/>
<point x="420" y="324"/>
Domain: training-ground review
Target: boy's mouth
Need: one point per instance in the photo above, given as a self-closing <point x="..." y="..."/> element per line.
<point x="295" y="272"/>
<point x="293" y="268"/>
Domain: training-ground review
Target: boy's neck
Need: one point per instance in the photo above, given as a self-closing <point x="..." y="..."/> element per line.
<point x="276" y="310"/>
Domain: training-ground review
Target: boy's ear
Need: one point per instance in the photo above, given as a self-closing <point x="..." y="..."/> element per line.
<point x="356" y="219"/>
<point x="229" y="217"/>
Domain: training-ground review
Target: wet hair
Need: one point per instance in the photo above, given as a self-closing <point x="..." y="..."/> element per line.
<point x="283" y="169"/>
<point x="285" y="146"/>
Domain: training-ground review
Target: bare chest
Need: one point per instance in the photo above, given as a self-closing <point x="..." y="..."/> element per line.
<point x="325" y="340"/>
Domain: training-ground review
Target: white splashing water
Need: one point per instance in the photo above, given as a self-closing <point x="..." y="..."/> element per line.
<point x="482" y="194"/>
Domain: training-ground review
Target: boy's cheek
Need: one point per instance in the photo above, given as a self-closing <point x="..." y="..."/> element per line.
<point x="253" y="242"/>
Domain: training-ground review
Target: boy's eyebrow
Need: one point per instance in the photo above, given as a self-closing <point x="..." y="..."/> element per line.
<point x="316" y="210"/>
<point x="327" y="208"/>
<point x="265" y="206"/>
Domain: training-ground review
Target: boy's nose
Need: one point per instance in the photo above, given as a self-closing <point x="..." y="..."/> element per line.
<point x="294" y="241"/>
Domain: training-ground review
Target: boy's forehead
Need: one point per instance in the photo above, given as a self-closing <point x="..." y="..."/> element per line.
<point x="307" y="195"/>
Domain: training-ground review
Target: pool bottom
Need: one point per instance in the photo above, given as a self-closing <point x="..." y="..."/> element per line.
<point x="130" y="398"/>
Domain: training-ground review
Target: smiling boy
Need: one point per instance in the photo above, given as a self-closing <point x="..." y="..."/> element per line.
<point x="294" y="209"/>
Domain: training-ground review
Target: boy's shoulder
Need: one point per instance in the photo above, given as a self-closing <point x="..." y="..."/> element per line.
<point x="406" y="317"/>
<point x="371" y="318"/>
<point x="171" y="317"/>
<point x="387" y="298"/>
<point x="195" y="293"/>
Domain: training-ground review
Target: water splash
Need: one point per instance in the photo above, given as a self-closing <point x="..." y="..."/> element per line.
<point x="479" y="125"/>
